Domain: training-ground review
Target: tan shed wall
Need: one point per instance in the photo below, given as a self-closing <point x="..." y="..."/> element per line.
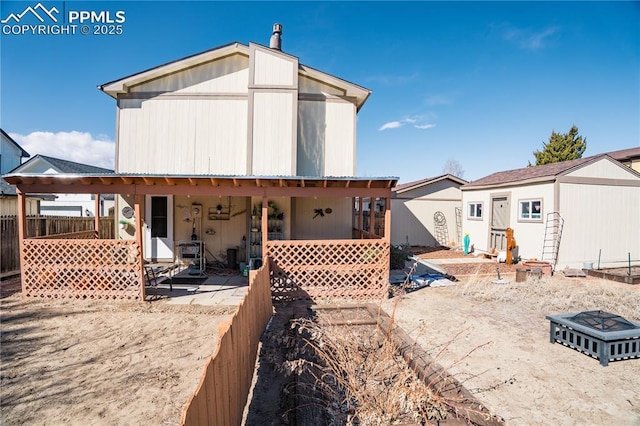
<point x="412" y="213"/>
<point x="9" y="206"/>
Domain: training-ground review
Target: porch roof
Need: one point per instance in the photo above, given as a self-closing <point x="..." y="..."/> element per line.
<point x="270" y="186"/>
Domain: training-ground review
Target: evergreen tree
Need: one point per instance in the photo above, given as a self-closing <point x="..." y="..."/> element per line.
<point x="561" y="147"/>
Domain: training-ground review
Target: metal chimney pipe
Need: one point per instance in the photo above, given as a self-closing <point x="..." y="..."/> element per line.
<point x="275" y="42"/>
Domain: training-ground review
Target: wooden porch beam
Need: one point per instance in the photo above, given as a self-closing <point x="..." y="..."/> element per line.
<point x="214" y="182"/>
<point x="265" y="224"/>
<point x="137" y="209"/>
<point x="387" y="220"/>
<point x="147" y="180"/>
<point x="106" y="181"/>
<point x="193" y="182"/>
<point x="170" y="181"/>
<point x="127" y="180"/>
<point x="22" y="234"/>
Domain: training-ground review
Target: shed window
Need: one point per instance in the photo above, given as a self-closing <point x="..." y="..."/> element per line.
<point x="475" y="210"/>
<point x="530" y="210"/>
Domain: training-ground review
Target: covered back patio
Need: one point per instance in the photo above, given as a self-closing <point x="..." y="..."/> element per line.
<point x="80" y="265"/>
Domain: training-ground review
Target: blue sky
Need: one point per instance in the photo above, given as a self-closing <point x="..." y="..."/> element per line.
<point x="483" y="83"/>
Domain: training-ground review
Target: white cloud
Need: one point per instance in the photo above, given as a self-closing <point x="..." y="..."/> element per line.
<point x="80" y="147"/>
<point x="526" y="38"/>
<point x="391" y="125"/>
<point x="408" y="120"/>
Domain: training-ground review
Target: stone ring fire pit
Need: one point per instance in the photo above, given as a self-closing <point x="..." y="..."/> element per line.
<point x="602" y="335"/>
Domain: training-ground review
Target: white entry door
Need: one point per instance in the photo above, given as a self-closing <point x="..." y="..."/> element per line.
<point x="159" y="227"/>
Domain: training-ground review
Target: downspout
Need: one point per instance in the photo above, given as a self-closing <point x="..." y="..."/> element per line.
<point x="22" y="233"/>
<point x="138" y="213"/>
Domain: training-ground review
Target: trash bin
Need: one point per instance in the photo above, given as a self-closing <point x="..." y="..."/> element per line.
<point x="232" y="256"/>
<point x="255" y="263"/>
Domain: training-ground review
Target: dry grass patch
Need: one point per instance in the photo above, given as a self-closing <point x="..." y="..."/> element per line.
<point x="549" y="295"/>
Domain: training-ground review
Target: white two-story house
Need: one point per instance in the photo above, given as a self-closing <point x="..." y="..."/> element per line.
<point x="243" y="150"/>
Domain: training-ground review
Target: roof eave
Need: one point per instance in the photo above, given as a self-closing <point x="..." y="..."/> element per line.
<point x="122" y="85"/>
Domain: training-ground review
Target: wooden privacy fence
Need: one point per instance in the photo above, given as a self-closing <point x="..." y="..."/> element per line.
<point x="326" y="269"/>
<point x="77" y="265"/>
<point x="39" y="226"/>
<point x="223" y="389"/>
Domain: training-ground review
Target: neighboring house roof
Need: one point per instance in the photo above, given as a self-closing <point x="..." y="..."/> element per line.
<point x="428" y="181"/>
<point x="10" y="139"/>
<point x="534" y="174"/>
<point x="625" y="154"/>
<point x="121" y="85"/>
<point x="61" y="166"/>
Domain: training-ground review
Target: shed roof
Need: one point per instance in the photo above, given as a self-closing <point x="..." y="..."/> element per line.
<point x="625" y="154"/>
<point x="427" y="181"/>
<point x="533" y="174"/>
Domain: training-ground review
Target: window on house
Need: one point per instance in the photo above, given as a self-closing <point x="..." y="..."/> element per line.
<point x="159" y="224"/>
<point x="530" y="210"/>
<point x="475" y="211"/>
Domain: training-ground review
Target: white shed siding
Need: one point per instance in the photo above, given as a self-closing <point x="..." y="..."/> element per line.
<point x="272" y="69"/>
<point x="9" y="206"/>
<point x="337" y="225"/>
<point x="161" y="136"/>
<point x="599" y="217"/>
<point x="603" y="168"/>
<point x="478" y="229"/>
<point x="529" y="236"/>
<point x="412" y="213"/>
<point x="340" y="143"/>
<point x="227" y="75"/>
<point x="273" y="145"/>
<point x="309" y="85"/>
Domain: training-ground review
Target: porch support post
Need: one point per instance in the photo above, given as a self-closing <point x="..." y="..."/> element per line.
<point x="22" y="233"/>
<point x="372" y="216"/>
<point x="138" y="214"/>
<point x="387" y="220"/>
<point x="360" y="216"/>
<point x="96" y="217"/>
<point x="264" y="227"/>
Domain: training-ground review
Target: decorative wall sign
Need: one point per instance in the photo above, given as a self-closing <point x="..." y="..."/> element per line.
<point x="127" y="212"/>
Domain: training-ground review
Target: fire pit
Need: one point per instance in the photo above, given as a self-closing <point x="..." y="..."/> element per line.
<point x="602" y="335"/>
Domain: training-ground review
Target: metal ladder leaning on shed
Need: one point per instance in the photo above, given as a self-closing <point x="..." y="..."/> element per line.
<point x="552" y="236"/>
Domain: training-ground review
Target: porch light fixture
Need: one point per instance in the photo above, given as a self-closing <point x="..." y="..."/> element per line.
<point x="219" y="208"/>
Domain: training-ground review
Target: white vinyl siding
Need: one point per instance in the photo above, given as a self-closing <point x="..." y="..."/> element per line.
<point x="273" y="145"/>
<point x="189" y="136"/>
<point x="272" y="69"/>
<point x="228" y="75"/>
<point x="326" y="138"/>
<point x="309" y="85"/>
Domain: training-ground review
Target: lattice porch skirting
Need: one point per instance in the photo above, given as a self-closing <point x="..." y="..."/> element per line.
<point x="328" y="269"/>
<point x="81" y="268"/>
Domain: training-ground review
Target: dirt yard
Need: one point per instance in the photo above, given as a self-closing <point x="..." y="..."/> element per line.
<point x="495" y="339"/>
<point x="80" y="363"/>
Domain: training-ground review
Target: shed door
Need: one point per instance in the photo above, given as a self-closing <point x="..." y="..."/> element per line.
<point x="499" y="222"/>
